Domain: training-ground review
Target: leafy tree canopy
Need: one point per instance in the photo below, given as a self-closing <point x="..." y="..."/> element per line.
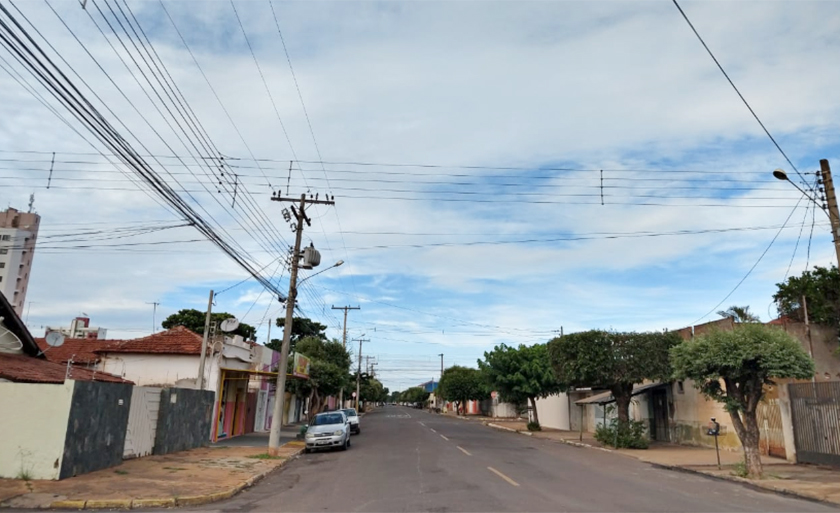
<point x="461" y="384"/>
<point x="740" y="314"/>
<point x="821" y="288"/>
<point x="193" y="320"/>
<point x="612" y="360"/>
<point x="302" y="327"/>
<point x="745" y="359"/>
<point x="414" y="395"/>
<point x="328" y="371"/>
<point x="520" y="374"/>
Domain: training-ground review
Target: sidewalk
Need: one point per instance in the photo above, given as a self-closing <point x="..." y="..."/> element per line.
<point x="185" y="478"/>
<point x="805" y="481"/>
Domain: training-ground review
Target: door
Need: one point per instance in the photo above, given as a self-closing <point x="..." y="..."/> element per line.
<point x="142" y="422"/>
<point x="250" y="411"/>
<point x="659" y="426"/>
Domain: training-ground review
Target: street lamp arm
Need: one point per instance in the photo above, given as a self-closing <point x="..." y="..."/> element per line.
<point x="340" y="262"/>
<point x="781" y="175"/>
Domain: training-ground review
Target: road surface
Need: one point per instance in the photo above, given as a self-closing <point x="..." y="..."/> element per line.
<point x="410" y="460"/>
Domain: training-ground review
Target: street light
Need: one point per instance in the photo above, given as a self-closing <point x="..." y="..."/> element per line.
<point x="340" y="262"/>
<point x="781" y="175"/>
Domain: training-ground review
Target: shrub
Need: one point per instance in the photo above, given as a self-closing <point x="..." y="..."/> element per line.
<point x="534" y="426"/>
<point x="622" y="435"/>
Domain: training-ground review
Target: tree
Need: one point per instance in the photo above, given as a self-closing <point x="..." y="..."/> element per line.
<point x="394" y="396"/>
<point x="740" y="314"/>
<point x="329" y="367"/>
<point x="414" y="395"/>
<point x="302" y="327"/>
<point x="193" y="320"/>
<point x="613" y="361"/>
<point x="371" y="389"/>
<point x="821" y="288"/>
<point x="745" y="359"/>
<point x="520" y="374"/>
<point x="461" y="384"/>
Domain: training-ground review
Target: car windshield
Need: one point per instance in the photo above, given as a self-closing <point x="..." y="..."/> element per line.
<point x="350" y="412"/>
<point x="333" y="418"/>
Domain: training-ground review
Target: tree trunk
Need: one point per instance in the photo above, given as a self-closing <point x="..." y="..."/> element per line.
<point x="534" y="408"/>
<point x="457" y="407"/>
<point x="623" y="393"/>
<point x="751" y="440"/>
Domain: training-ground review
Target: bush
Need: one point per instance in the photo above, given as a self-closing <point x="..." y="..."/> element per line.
<point x="534" y="426"/>
<point x="622" y="435"/>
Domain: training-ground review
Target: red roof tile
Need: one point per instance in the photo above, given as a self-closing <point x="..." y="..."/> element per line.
<point x="27" y="369"/>
<point x="178" y="340"/>
<point x="81" y="350"/>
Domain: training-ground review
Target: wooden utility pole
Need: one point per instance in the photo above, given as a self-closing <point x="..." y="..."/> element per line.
<point x="344" y="339"/>
<point x="280" y="394"/>
<point x="831" y="200"/>
<point x="359" y="373"/>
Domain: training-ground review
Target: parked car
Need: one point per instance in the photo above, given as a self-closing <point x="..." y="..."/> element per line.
<point x="328" y="430"/>
<point x="353" y="417"/>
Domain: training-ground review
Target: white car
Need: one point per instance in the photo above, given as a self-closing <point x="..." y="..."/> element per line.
<point x="353" y="417"/>
<point x="328" y="430"/>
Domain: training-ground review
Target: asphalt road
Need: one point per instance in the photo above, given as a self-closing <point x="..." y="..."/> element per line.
<point x="410" y="460"/>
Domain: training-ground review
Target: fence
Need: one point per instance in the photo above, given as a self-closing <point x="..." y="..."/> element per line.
<point x="815" y="411"/>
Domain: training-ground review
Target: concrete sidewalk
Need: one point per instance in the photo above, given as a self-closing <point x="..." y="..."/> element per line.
<point x="804" y="481"/>
<point x="185" y="478"/>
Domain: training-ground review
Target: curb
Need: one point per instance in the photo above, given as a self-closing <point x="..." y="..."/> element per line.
<point x="503" y="428"/>
<point x="169" y="502"/>
<point x="746" y="483"/>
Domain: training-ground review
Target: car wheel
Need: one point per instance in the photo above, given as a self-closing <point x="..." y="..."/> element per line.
<point x="306" y="450"/>
<point x="358" y="431"/>
<point x="348" y="441"/>
<point x="344" y="446"/>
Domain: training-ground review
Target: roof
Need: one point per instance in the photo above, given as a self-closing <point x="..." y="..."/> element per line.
<point x="607" y="397"/>
<point x="429" y="386"/>
<point x="80" y="350"/>
<point x="26" y="369"/>
<point x="12" y="322"/>
<point x="178" y="340"/>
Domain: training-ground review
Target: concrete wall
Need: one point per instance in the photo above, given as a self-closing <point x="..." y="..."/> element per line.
<point x="96" y="427"/>
<point x="553" y="411"/>
<point x="152" y="369"/>
<point x="184" y="419"/>
<point x="33" y="427"/>
<point x="689" y="415"/>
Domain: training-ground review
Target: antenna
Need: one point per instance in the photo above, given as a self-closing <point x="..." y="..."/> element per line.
<point x="230" y="324"/>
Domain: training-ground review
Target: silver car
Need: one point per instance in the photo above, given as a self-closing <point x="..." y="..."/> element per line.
<point x="353" y="417"/>
<point x="328" y="431"/>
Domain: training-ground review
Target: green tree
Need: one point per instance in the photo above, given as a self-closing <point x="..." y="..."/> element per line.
<point x="193" y="320"/>
<point x="394" y="396"/>
<point x="520" y="374"/>
<point x="613" y="361"/>
<point x="302" y="327"/>
<point x="740" y="314"/>
<point x="461" y="384"/>
<point x="328" y="372"/>
<point x="821" y="288"/>
<point x="745" y="359"/>
<point x="371" y="390"/>
<point x="414" y="395"/>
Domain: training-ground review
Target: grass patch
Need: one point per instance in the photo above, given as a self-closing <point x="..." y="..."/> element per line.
<point x="121" y="472"/>
<point x="740" y="469"/>
<point x="24" y="474"/>
<point x="265" y="456"/>
<point x="174" y="469"/>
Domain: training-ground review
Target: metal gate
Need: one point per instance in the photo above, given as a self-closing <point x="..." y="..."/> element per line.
<point x="142" y="422"/>
<point x="772" y="438"/>
<point x="815" y="409"/>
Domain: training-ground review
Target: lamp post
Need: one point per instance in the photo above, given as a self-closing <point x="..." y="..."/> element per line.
<point x="831" y="199"/>
<point x="340" y="262"/>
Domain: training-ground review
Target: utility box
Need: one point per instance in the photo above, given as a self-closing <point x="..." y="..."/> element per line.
<point x="311" y="258"/>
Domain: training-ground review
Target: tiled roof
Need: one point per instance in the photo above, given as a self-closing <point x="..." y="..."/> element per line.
<point x="81" y="350"/>
<point x="26" y="369"/>
<point x="178" y="340"/>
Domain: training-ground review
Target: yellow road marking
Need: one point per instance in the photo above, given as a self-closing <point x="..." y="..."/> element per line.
<point x="463" y="450"/>
<point x="506" y="478"/>
<point x="444" y="438"/>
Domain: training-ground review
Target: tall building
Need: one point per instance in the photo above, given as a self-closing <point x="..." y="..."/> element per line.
<point x="18" y="231"/>
<point x="80" y="328"/>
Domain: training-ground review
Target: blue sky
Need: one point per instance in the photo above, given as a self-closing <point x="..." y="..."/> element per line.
<point x="512" y="108"/>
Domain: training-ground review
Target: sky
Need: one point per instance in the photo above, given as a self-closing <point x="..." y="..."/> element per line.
<point x="501" y="171"/>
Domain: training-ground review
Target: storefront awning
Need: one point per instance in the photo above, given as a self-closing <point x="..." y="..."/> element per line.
<point x="607" y="397"/>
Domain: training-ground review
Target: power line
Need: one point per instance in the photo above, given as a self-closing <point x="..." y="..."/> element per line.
<point x="720" y="67"/>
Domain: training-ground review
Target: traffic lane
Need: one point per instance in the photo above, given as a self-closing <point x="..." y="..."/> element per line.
<point x="575" y="478"/>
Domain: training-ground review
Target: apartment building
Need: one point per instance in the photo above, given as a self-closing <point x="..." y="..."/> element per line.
<point x="18" y="231"/>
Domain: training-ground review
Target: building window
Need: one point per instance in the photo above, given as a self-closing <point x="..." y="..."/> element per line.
<point x="6" y="237"/>
<point x="1" y="278"/>
<point x="680" y="387"/>
<point x="2" y="265"/>
<point x="4" y="251"/>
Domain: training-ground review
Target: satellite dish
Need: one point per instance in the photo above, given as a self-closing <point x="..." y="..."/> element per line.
<point x="54" y="339"/>
<point x="229" y="325"/>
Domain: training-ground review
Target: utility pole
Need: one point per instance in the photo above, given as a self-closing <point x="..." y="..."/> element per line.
<point x="359" y="373"/>
<point x="154" y="314"/>
<point x="280" y="394"/>
<point x="831" y="200"/>
<point x="437" y="390"/>
<point x="344" y="339"/>
<point x="204" y="340"/>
